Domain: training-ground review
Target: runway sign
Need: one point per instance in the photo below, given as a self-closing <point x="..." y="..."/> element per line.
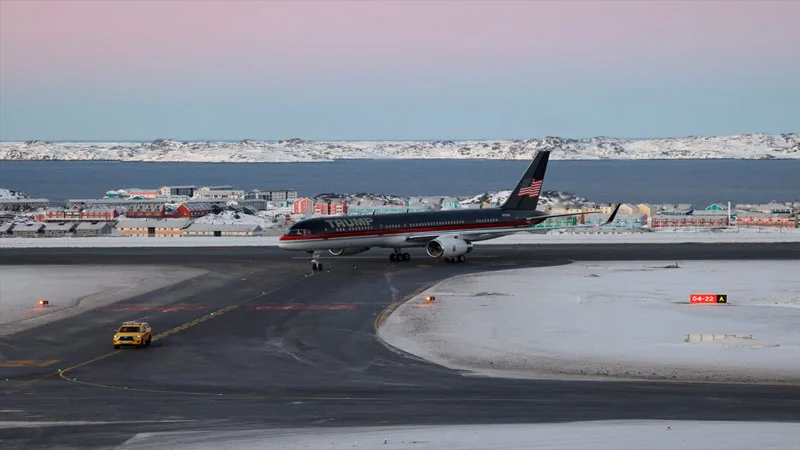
<point x="708" y="298"/>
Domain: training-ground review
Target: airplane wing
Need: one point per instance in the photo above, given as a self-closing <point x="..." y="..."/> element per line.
<point x="489" y="234"/>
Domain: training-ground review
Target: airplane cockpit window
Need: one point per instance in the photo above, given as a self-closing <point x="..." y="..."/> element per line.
<point x="298" y="232"/>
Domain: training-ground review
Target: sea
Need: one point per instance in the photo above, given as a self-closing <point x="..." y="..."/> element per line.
<point x="698" y="182"/>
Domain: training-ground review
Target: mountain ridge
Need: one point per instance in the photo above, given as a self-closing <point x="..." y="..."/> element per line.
<point x="739" y="146"/>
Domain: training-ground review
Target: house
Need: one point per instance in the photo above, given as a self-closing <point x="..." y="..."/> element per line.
<point x="146" y="210"/>
<point x="32" y="229"/>
<point x="59" y="229"/>
<point x="224" y="229"/>
<point x="88" y="229"/>
<point x="153" y="227"/>
<point x="621" y="220"/>
<point x="195" y="209"/>
<point x="6" y="228"/>
<point x="23" y="204"/>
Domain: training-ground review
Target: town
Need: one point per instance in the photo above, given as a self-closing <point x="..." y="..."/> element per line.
<point x="216" y="211"/>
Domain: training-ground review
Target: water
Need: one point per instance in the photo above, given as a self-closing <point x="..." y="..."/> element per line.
<point x="699" y="182"/>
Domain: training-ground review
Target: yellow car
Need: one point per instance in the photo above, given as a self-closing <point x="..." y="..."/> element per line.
<point x="133" y="333"/>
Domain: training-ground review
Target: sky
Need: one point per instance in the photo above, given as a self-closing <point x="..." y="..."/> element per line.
<point x="396" y="70"/>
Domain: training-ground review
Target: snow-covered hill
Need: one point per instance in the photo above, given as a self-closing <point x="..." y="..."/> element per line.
<point x="742" y="146"/>
<point x="9" y="194"/>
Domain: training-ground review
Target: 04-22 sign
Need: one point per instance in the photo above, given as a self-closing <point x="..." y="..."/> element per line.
<point x="708" y="298"/>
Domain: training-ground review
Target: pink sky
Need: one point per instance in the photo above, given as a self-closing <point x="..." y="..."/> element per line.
<point x="93" y="40"/>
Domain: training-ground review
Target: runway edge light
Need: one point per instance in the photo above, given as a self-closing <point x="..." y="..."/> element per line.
<point x="43" y="302"/>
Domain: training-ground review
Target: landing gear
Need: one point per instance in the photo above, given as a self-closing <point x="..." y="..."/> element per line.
<point x="399" y="256"/>
<point x="315" y="263"/>
<point x="455" y="259"/>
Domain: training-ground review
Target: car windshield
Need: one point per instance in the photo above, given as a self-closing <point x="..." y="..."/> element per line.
<point x="129" y="330"/>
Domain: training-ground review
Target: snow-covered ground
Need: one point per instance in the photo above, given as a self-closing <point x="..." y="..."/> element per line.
<point x="741" y="146"/>
<point x="611" y="435"/>
<point x="659" y="237"/>
<point x="608" y="320"/>
<point x="73" y="290"/>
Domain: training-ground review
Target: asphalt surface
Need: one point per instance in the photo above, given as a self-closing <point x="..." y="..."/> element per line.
<point x="261" y="341"/>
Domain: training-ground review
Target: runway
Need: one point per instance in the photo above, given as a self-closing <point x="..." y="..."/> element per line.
<point x="261" y="341"/>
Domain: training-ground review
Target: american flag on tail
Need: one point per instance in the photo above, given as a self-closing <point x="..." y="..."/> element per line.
<point x="532" y="190"/>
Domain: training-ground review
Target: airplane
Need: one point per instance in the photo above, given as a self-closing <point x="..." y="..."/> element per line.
<point x="446" y="234"/>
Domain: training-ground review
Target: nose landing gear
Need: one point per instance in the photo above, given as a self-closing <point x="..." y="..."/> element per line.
<point x="315" y="263"/>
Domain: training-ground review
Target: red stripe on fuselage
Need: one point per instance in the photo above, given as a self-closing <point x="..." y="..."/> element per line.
<point x="385" y="232"/>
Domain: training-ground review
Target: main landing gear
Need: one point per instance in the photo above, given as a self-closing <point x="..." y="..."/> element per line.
<point x="398" y="256"/>
<point x="459" y="258"/>
<point x="315" y="263"/>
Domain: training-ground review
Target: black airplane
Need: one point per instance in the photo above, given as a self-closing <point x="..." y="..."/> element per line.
<point x="446" y="235"/>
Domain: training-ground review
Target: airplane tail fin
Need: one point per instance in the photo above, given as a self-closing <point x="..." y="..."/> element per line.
<point x="526" y="195"/>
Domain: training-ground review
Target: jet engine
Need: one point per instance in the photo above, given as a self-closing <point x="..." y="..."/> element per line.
<point x="448" y="247"/>
<point x="347" y="251"/>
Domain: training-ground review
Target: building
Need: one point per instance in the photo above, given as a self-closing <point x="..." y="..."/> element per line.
<point x="195" y="209"/>
<point x="273" y="195"/>
<point x="146" y="210"/>
<point x="373" y="206"/>
<point x="331" y="208"/>
<point x="153" y="227"/>
<point x="32" y="229"/>
<point x="138" y="193"/>
<point x="768" y="208"/>
<point x="760" y="219"/>
<point x="6" y="228"/>
<point x="183" y="191"/>
<point x="682" y="209"/>
<point x="695" y="220"/>
<point x="23" y="204"/>
<point x="59" y="229"/>
<point x="218" y="193"/>
<point x="223" y="229"/>
<point x="301" y="205"/>
<point x="89" y="229"/>
<point x="621" y="220"/>
<point x="76" y="214"/>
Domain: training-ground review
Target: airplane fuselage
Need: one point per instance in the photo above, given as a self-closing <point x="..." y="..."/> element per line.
<point x="393" y="230"/>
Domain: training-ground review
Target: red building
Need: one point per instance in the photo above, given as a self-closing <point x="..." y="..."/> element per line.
<point x="195" y="209"/>
<point x="658" y="221"/>
<point x="330" y="208"/>
<point x="300" y="205"/>
<point x="77" y="215"/>
<point x="766" y="220"/>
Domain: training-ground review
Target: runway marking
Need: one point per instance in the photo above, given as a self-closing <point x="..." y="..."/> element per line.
<point x="156" y="308"/>
<point x="339" y="307"/>
<point x="62" y="373"/>
<point x="28" y="363"/>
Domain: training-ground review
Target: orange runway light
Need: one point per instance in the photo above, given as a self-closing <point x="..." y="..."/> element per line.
<point x="430" y="299"/>
<point x="43" y="302"/>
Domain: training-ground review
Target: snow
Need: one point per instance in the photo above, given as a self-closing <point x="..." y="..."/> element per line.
<point x="741" y="146"/>
<point x="73" y="289"/>
<point x="611" y="435"/>
<point x="7" y="194"/>
<point x="610" y="320"/>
